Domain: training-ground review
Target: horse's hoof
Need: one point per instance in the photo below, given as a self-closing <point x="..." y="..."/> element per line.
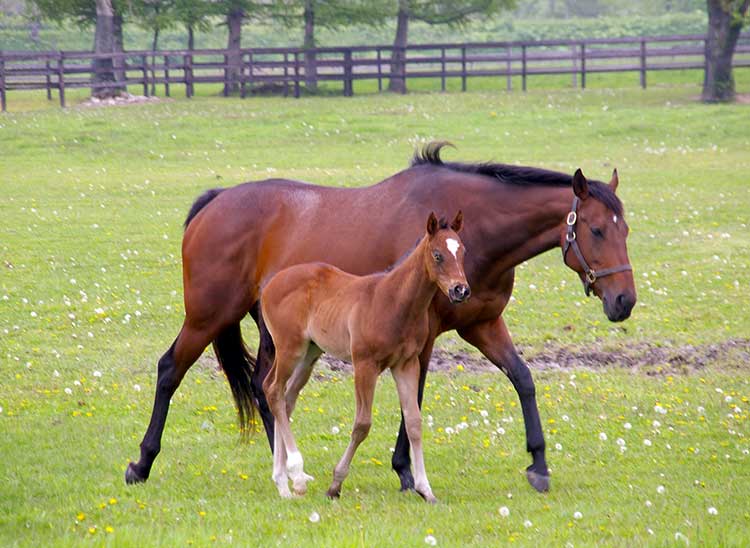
<point x="132" y="477"/>
<point x="538" y="481"/>
<point x="428" y="497"/>
<point x="333" y="494"/>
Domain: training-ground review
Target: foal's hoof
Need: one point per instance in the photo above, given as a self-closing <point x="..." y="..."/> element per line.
<point x="428" y="497"/>
<point x="333" y="494"/>
<point x="133" y="477"/>
<point x="538" y="481"/>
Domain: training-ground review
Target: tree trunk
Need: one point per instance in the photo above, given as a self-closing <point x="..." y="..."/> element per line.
<point x="397" y="83"/>
<point x="104" y="42"/>
<point x="119" y="63"/>
<point x="154" y="45"/>
<point x="724" y="26"/>
<point x="191" y="38"/>
<point x="311" y="71"/>
<point x="234" y="57"/>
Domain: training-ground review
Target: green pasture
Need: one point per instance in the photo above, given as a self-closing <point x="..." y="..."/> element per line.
<point x="92" y="202"/>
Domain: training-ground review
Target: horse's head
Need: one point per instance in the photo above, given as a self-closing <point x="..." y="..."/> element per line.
<point x="594" y="245"/>
<point x="445" y="257"/>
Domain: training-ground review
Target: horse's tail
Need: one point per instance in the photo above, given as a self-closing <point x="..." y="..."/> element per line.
<point x="238" y="365"/>
<point x="201" y="202"/>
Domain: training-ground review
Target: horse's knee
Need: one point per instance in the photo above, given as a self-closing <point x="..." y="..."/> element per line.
<point x="520" y="376"/>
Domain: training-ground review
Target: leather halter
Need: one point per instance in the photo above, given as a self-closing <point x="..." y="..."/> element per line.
<point x="590" y="275"/>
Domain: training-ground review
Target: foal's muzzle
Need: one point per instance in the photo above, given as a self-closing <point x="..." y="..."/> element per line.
<point x="459" y="293"/>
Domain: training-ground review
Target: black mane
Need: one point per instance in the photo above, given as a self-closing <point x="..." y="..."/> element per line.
<point x="515" y="175"/>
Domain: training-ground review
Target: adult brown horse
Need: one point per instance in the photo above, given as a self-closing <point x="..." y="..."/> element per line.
<point x="236" y="239"/>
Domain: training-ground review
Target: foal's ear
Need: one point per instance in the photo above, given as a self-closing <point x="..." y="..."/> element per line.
<point x="458" y="222"/>
<point x="580" y="185"/>
<point x="614" y="181"/>
<point x="432" y="224"/>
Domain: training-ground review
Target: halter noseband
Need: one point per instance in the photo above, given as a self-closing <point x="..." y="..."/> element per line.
<point x="591" y="275"/>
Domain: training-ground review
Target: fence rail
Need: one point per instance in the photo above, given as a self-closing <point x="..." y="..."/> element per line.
<point x="284" y="69"/>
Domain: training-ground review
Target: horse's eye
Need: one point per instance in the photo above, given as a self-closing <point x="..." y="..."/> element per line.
<point x="597" y="232"/>
<point x="438" y="256"/>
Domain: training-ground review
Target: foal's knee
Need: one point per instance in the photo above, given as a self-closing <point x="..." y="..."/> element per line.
<point x="361" y="429"/>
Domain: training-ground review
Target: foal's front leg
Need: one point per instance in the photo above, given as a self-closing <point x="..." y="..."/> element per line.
<point x="365" y="378"/>
<point x="407" y="382"/>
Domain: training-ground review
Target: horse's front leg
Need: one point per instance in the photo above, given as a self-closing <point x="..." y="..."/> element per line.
<point x="493" y="340"/>
<point x="401" y="460"/>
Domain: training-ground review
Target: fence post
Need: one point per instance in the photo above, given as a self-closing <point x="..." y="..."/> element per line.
<point x="48" y="79"/>
<point x="574" y="57"/>
<point x="296" y="75"/>
<point x="3" y="100"/>
<point x="643" y="64"/>
<point x="583" y="65"/>
<point x="348" y="80"/>
<point x="166" y="75"/>
<point x="442" y="69"/>
<point x="144" y="70"/>
<point x="523" y="67"/>
<point x="380" y="71"/>
<point x="61" y="78"/>
<point x="463" y="68"/>
<point x="509" y="66"/>
<point x="188" y="73"/>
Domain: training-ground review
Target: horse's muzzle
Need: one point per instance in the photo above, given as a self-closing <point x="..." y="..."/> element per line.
<point x="459" y="293"/>
<point x="619" y="309"/>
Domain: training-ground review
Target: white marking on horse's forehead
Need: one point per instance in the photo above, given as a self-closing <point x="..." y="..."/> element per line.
<point x="614" y="218"/>
<point x="452" y="245"/>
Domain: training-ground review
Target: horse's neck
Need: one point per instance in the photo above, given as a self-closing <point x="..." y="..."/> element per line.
<point x="530" y="229"/>
<point x="409" y="284"/>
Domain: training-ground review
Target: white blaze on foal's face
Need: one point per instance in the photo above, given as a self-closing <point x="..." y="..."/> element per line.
<point x="452" y="246"/>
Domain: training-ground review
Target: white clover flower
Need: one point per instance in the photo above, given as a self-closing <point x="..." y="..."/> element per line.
<point x="713" y="511"/>
<point x="68" y="391"/>
<point x="627" y="426"/>
<point x="577" y="515"/>
<point x="648" y="504"/>
<point x="620" y="442"/>
<point x="558" y="447"/>
<point x="602" y="436"/>
<point x="504" y="511"/>
<point x="335" y="430"/>
<point x="527" y="524"/>
<point x="565" y="418"/>
<point x="430" y="540"/>
<point x="656" y="424"/>
<point x="660" y="489"/>
<point x="647" y="442"/>
<point x="97" y="374"/>
<point x="314" y="517"/>
<point x="137" y="387"/>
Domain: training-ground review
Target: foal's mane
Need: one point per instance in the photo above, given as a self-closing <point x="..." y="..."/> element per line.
<point x="514" y="175"/>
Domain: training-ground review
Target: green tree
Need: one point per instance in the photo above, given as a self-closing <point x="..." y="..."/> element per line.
<point x="156" y="16"/>
<point x="107" y="18"/>
<point x="725" y="21"/>
<point x="193" y="15"/>
<point x="433" y="12"/>
<point x="330" y="14"/>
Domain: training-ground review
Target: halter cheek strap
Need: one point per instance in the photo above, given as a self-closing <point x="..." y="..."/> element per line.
<point x="590" y="275"/>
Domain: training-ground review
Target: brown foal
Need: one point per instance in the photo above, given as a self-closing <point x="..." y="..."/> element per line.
<point x="377" y="322"/>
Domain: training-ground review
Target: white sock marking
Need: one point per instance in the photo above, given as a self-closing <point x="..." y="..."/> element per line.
<point x="453" y="246"/>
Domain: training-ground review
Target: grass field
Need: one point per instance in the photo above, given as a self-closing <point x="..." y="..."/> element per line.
<point x="90" y="296"/>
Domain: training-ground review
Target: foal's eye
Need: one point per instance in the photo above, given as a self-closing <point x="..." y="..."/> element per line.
<point x="597" y="232"/>
<point x="437" y="256"/>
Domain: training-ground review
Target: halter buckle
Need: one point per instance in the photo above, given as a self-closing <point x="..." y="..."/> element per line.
<point x="571" y="219"/>
<point x="591" y="276"/>
<point x="570" y="236"/>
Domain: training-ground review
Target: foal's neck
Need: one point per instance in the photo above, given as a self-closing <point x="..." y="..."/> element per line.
<point x="410" y="283"/>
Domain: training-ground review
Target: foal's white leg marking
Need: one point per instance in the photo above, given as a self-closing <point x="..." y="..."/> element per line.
<point x="295" y="469"/>
<point x="279" y="476"/>
<point x="453" y="246"/>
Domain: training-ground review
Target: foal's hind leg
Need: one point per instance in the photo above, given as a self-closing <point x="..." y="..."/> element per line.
<point x="275" y="389"/>
<point x="173" y="365"/>
<point x="365" y="377"/>
<point x="407" y="383"/>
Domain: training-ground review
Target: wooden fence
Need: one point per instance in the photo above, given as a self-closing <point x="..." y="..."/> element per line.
<point x="282" y="70"/>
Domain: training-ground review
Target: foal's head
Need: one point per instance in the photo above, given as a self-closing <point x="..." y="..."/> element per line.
<point x="444" y="257"/>
<point x="594" y="245"/>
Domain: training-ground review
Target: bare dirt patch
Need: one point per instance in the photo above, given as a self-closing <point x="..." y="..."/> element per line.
<point x="121" y="100"/>
<point x="648" y="358"/>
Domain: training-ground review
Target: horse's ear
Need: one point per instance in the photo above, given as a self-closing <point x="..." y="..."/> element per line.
<point x="580" y="185"/>
<point x="614" y="181"/>
<point x="432" y="224"/>
<point x="458" y="222"/>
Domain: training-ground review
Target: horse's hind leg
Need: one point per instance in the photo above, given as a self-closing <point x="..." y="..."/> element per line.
<point x="263" y="364"/>
<point x="365" y="377"/>
<point x="173" y="365"/>
<point x="407" y="383"/>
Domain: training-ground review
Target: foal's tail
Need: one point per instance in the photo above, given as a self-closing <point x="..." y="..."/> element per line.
<point x="238" y="365"/>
